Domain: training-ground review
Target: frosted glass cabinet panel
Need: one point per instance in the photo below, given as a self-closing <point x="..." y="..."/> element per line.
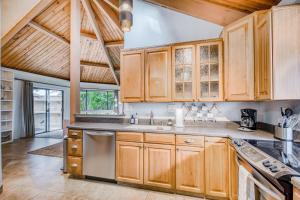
<point x="183" y="70"/>
<point x="209" y="71"/>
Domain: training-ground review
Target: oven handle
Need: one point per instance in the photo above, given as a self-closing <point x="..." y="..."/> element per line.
<point x="258" y="184"/>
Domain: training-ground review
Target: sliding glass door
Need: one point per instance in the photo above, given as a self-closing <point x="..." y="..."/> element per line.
<point x="48" y="110"/>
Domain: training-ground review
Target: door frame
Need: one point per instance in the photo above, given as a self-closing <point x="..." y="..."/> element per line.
<point x="47" y="114"/>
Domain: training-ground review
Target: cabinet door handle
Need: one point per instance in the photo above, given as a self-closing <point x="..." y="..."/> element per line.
<point x="74" y="134"/>
<point x="74" y="146"/>
<point x="74" y="165"/>
<point x="188" y="141"/>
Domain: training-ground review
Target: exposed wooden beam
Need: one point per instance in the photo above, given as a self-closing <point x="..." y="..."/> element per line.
<point x="114" y="43"/>
<point x="88" y="9"/>
<point x="109" y="13"/>
<point x="202" y="9"/>
<point x="113" y="3"/>
<point x="75" y="59"/>
<point x="92" y="64"/>
<point x="41" y="6"/>
<point x="47" y="32"/>
<point x="107" y="44"/>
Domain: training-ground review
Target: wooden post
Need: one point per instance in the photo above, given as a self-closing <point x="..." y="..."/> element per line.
<point x="75" y="60"/>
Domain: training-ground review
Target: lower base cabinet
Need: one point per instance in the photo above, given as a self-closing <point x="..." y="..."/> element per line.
<point x="190" y="169"/>
<point x="129" y="162"/>
<point x="74" y="165"/>
<point x="216" y="167"/>
<point x="159" y="165"/>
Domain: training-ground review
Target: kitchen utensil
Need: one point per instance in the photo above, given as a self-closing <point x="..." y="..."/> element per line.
<point x="288" y="112"/>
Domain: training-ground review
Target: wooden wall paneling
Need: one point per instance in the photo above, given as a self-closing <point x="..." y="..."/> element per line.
<point x="42" y="5"/>
<point x="286" y="51"/>
<point x="75" y="60"/>
<point x="158" y="74"/>
<point x="263" y="55"/>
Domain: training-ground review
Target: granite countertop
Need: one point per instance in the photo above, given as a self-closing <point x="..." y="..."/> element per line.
<point x="213" y="129"/>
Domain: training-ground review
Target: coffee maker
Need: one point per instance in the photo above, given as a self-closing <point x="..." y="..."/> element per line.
<point x="248" y="119"/>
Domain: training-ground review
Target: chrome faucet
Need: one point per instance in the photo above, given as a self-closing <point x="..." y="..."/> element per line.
<point x="151" y="118"/>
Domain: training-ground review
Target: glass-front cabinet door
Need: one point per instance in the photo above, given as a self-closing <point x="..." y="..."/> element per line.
<point x="183" y="70"/>
<point x="209" y="71"/>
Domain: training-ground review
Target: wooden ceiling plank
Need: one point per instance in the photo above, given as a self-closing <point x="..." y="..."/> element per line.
<point x="88" y="9"/>
<point x="42" y="5"/>
<point x="109" y="13"/>
<point x="113" y="3"/>
<point x="202" y="9"/>
<point x="92" y="64"/>
<point x="48" y="32"/>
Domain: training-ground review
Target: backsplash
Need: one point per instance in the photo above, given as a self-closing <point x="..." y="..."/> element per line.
<point x="267" y="112"/>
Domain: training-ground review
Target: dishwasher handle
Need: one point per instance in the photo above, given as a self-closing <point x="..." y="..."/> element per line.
<point x="100" y="133"/>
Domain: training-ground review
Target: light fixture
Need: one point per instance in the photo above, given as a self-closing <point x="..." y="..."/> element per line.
<point x="125" y="9"/>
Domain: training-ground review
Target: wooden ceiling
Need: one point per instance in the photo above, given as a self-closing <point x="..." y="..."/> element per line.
<point x="40" y="43"/>
<point x="43" y="47"/>
<point x="221" y="12"/>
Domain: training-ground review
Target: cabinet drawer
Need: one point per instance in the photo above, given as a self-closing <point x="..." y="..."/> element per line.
<point x="75" y="165"/>
<point x="157" y="138"/>
<point x="130" y="136"/>
<point x="189" y="140"/>
<point x="75" y="133"/>
<point x="74" y="147"/>
<point x="216" y="139"/>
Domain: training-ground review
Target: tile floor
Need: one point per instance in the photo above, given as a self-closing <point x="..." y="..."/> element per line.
<point x="34" y="177"/>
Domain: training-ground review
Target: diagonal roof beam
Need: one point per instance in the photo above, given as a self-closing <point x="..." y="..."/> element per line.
<point x="109" y="13"/>
<point x="113" y="3"/>
<point x="48" y="32"/>
<point x="116" y="43"/>
<point x="88" y="9"/>
<point x="92" y="64"/>
<point x="41" y="6"/>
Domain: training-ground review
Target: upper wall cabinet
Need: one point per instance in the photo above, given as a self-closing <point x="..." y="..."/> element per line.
<point x="286" y="52"/>
<point x="263" y="55"/>
<point x="158" y="74"/>
<point x="183" y="73"/>
<point x="132" y="76"/>
<point x="209" y="71"/>
<point x="239" y="60"/>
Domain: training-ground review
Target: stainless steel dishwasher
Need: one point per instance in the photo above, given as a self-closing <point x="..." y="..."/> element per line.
<point x="99" y="154"/>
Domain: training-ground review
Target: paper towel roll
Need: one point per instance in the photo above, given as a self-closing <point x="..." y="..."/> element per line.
<point x="179" y="117"/>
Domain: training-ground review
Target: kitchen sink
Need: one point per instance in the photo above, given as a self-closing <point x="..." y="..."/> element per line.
<point x="150" y="127"/>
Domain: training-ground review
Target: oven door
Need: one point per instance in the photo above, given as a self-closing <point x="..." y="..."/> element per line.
<point x="263" y="189"/>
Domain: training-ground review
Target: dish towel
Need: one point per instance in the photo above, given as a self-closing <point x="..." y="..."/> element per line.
<point x="246" y="185"/>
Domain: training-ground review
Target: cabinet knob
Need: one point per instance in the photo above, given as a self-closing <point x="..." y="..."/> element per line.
<point x="74" y="146"/>
<point x="74" y="134"/>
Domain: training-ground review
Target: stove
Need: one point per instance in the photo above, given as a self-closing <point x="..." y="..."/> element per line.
<point x="277" y="161"/>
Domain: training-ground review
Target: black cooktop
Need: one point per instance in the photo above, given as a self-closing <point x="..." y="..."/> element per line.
<point x="284" y="151"/>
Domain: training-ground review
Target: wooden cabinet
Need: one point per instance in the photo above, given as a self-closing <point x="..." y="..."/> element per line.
<point x="216" y="167"/>
<point x="74" y="152"/>
<point x="239" y="60"/>
<point x="132" y="76"/>
<point x="233" y="173"/>
<point x="183" y="73"/>
<point x="158" y="74"/>
<point x="190" y="169"/>
<point x="129" y="162"/>
<point x="209" y="69"/>
<point x="263" y="55"/>
<point x="286" y="51"/>
<point x="159" y="165"/>
<point x="296" y="193"/>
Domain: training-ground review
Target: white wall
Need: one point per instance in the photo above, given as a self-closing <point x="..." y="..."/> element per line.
<point x="154" y="25"/>
<point x="13" y="11"/>
<point x="287" y="2"/>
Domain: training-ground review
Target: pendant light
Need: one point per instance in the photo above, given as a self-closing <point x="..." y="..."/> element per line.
<point x="125" y="9"/>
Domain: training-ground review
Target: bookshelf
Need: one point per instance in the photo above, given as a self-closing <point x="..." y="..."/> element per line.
<point x="6" y="100"/>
